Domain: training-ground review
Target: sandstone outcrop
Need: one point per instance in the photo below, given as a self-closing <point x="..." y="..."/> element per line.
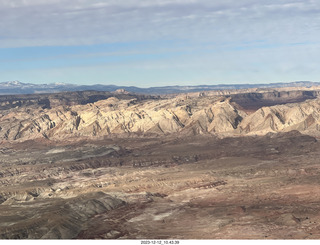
<point x="192" y="166"/>
<point x="304" y="117"/>
<point x="186" y="115"/>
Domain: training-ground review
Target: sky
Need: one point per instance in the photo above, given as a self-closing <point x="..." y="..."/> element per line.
<point x="149" y="43"/>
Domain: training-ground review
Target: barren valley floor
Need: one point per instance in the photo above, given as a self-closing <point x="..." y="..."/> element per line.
<point x="200" y="187"/>
<point x="114" y="165"/>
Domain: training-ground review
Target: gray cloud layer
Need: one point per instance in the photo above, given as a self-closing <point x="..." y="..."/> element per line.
<point x="78" y="22"/>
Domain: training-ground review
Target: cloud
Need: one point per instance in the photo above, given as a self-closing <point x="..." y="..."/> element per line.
<point x="163" y="40"/>
<point x="81" y="22"/>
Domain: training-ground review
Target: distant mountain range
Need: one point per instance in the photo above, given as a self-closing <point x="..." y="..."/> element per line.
<point x="16" y="87"/>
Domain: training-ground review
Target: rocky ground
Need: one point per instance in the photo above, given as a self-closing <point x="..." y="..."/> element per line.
<point x="228" y="181"/>
<point x="172" y="187"/>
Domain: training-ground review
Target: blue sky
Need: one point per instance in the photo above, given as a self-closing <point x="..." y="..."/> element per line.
<point x="159" y="42"/>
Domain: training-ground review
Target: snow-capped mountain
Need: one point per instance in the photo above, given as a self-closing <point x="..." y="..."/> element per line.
<point x="16" y="87"/>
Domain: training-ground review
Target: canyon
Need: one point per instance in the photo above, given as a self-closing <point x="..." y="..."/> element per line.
<point x="227" y="164"/>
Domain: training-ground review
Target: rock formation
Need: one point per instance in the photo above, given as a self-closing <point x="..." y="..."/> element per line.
<point x="186" y="115"/>
<point x="220" y="165"/>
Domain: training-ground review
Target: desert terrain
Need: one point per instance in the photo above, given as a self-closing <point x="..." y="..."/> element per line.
<point x="117" y="165"/>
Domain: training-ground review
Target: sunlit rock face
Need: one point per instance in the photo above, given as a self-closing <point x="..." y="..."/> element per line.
<point x="188" y="166"/>
<point x="201" y="114"/>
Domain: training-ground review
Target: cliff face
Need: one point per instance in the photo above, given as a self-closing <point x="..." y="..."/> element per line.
<point x="304" y="117"/>
<point x="119" y="165"/>
<point x="184" y="115"/>
<point x="114" y="116"/>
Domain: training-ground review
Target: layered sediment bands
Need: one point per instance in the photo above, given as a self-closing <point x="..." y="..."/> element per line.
<point x="304" y="117"/>
<point x="184" y="167"/>
<point x="47" y="101"/>
<point x="182" y="187"/>
<point x="183" y="115"/>
<point x="254" y="101"/>
<point x="54" y="218"/>
<point x="114" y="116"/>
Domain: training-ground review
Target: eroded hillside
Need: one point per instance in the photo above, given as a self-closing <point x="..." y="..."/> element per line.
<point x="183" y="114"/>
<point x="197" y="187"/>
<point x="191" y="166"/>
